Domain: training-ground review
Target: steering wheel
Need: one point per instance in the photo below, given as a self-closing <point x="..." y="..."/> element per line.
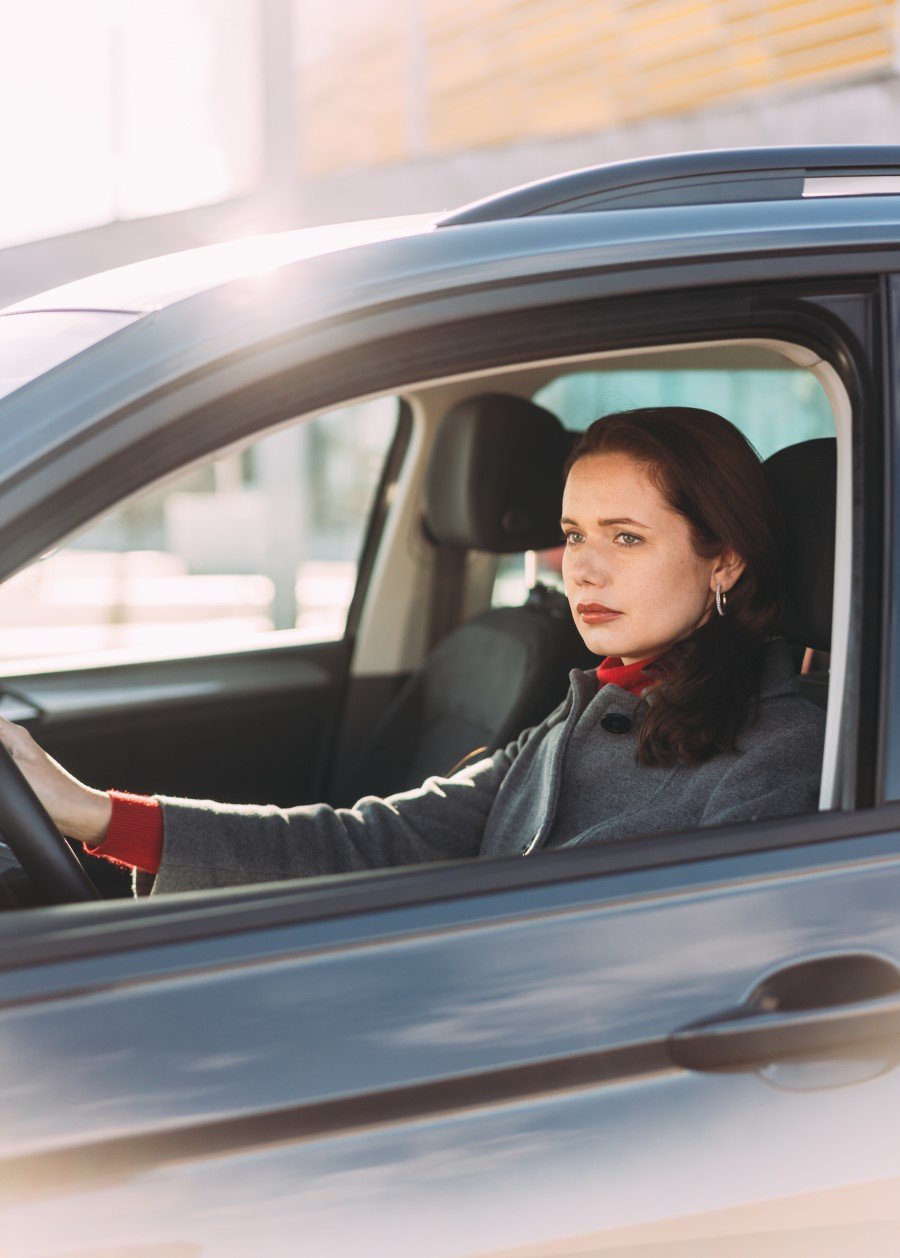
<point x="43" y="853"/>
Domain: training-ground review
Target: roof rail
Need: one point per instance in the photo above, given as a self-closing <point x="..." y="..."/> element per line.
<point x="712" y="177"/>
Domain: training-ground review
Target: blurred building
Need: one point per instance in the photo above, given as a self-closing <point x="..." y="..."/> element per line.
<point x="135" y="127"/>
<point x="435" y="102"/>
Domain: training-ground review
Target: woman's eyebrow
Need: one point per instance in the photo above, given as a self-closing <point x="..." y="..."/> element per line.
<point x="621" y="519"/>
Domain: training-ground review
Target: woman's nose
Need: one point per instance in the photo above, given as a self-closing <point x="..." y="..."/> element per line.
<point x="585" y="567"/>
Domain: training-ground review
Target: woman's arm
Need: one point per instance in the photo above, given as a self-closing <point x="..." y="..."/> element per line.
<point x="216" y="845"/>
<point x="78" y="811"/>
<point x="213" y="845"/>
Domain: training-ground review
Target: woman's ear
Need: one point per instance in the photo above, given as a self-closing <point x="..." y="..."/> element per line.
<point x="728" y="568"/>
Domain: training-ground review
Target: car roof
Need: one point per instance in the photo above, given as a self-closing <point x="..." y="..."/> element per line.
<point x="673" y="206"/>
<point x="496" y="249"/>
<point x="149" y="285"/>
<point x="713" y="176"/>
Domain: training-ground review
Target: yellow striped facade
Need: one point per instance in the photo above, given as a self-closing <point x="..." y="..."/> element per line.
<point x="386" y="81"/>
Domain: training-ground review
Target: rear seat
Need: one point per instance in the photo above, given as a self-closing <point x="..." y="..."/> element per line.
<point x="803" y="479"/>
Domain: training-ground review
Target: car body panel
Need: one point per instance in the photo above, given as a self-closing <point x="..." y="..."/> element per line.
<point x="446" y="1056"/>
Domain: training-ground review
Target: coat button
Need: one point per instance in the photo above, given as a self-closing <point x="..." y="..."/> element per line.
<point x="616" y="723"/>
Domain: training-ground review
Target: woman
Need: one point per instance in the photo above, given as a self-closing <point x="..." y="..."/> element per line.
<point x="692" y="719"/>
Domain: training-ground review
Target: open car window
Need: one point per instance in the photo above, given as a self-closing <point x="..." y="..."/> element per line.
<point x="228" y="501"/>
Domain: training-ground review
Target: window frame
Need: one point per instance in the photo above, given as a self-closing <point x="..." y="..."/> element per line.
<point x="767" y="311"/>
<point x="888" y="750"/>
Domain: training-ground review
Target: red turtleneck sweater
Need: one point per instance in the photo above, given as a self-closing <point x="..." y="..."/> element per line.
<point x="135" y="833"/>
<point x="630" y="677"/>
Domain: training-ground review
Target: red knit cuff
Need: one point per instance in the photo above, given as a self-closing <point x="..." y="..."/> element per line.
<point x="135" y="833"/>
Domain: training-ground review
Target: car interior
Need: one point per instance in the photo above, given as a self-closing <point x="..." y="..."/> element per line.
<point x="806" y="456"/>
<point x="458" y="634"/>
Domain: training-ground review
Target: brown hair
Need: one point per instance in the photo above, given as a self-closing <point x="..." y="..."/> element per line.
<point x="709" y="473"/>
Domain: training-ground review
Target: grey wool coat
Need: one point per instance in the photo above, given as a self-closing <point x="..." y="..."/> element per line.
<point x="570" y="781"/>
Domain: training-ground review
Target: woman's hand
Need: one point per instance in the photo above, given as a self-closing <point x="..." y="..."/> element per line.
<point x="77" y="811"/>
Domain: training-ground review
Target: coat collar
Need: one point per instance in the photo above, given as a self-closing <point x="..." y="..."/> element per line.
<point x="777" y="678"/>
<point x="778" y="675"/>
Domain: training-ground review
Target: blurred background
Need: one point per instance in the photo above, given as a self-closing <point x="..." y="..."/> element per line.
<point x="133" y="128"/>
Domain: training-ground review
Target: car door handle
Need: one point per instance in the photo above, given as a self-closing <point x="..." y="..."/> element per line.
<point x="809" y="1009"/>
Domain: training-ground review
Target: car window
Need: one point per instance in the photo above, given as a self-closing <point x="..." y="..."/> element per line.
<point x="773" y="406"/>
<point x="263" y="539"/>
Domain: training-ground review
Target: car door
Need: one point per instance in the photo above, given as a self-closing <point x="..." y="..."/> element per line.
<point x="467" y="1061"/>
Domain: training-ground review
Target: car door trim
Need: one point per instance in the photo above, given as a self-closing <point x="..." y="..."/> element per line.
<point x="832" y="840"/>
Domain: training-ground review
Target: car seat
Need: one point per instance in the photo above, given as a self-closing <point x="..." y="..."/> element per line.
<point x="803" y="480"/>
<point x="494" y="483"/>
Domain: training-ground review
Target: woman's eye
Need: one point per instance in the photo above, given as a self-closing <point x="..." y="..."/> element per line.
<point x="570" y="539"/>
<point x="628" y="539"/>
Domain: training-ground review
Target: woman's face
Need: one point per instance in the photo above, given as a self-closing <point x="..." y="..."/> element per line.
<point x="633" y="580"/>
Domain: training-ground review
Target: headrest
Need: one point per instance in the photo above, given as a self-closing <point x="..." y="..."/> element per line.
<point x="494" y="480"/>
<point x="803" y="479"/>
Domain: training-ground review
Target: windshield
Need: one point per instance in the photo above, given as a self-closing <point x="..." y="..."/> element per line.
<point x="34" y="341"/>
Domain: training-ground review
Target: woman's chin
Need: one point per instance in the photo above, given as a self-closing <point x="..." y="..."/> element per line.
<point x="602" y="640"/>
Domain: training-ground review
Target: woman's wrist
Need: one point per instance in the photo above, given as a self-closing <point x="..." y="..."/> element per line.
<point x="90" y="822"/>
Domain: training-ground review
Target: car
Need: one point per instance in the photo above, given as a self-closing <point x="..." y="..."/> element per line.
<point x="213" y="473"/>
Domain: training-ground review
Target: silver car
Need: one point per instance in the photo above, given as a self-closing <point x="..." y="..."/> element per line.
<point x="213" y="474"/>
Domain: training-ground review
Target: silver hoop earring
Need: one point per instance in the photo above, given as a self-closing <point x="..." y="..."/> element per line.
<point x="721" y="599"/>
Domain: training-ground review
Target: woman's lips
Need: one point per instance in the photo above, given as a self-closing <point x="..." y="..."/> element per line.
<point x="596" y="613"/>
